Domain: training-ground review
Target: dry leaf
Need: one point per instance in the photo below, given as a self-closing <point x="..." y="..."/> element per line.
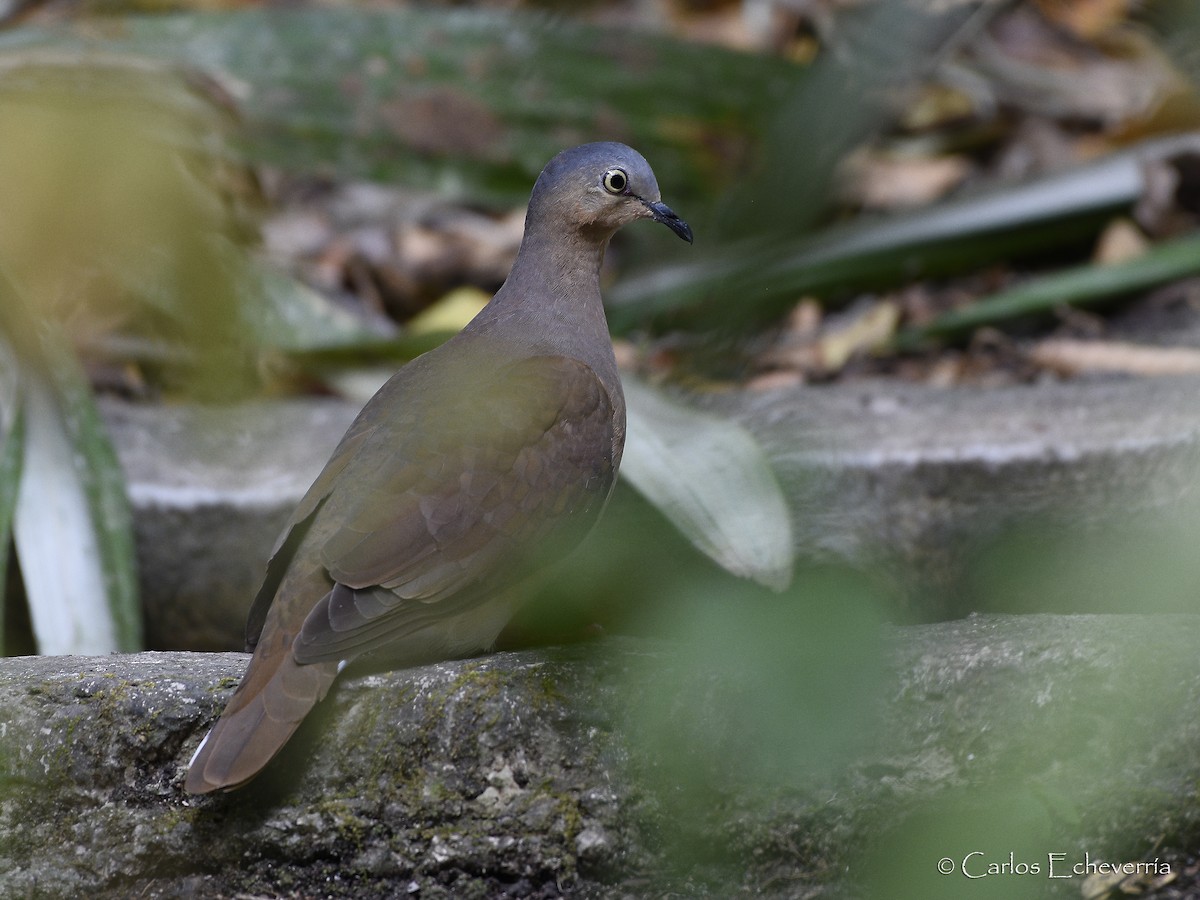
<point x="1100" y="885"/>
<point x="770" y="381"/>
<point x="1120" y="242"/>
<point x="1087" y="19"/>
<point x="450" y="313"/>
<point x="1034" y="67"/>
<point x="1072" y="357"/>
<point x="805" y="320"/>
<point x="881" y="181"/>
<point x="937" y="105"/>
<point x="827" y="349"/>
<point x="866" y="332"/>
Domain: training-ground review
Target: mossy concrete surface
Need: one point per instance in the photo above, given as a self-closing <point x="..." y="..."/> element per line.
<point x="526" y="774"/>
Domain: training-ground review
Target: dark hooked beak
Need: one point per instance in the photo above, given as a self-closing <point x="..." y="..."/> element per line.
<point x="666" y="215"/>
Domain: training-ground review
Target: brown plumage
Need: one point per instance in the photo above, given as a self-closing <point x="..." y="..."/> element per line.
<point x="476" y="465"/>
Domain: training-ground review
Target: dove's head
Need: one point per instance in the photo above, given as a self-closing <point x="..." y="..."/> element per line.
<point x="594" y="189"/>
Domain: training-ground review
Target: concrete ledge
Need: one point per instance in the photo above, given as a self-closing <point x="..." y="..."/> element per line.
<point x="910" y="480"/>
<point x="211" y="488"/>
<point x="527" y="774"/>
<point x="901" y="479"/>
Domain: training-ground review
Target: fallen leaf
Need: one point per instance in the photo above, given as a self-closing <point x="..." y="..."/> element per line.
<point x="1073" y="357"/>
<point x="770" y="381"/>
<point x="1120" y="242"/>
<point x="1087" y="19"/>
<point x="937" y="105"/>
<point x="821" y="347"/>
<point x="868" y="331"/>
<point x="885" y="181"/>
<point x="1100" y="885"/>
<point x="450" y="313"/>
<point x="805" y="320"/>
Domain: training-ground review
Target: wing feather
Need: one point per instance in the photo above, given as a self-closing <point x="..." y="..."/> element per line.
<point x="518" y="469"/>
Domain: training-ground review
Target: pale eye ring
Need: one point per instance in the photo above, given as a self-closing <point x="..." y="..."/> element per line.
<point x="615" y="181"/>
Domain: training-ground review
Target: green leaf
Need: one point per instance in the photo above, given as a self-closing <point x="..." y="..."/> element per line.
<point x="103" y="482"/>
<point x="115" y="211"/>
<point x="767" y="276"/>
<point x="1079" y="286"/>
<point x="469" y="102"/>
<point x="710" y="478"/>
<point x="11" y="440"/>
<point x="71" y="521"/>
<point x="285" y="314"/>
<point x="55" y="540"/>
<point x="848" y="93"/>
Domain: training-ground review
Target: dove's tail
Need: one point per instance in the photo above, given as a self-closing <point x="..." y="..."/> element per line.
<point x="270" y="703"/>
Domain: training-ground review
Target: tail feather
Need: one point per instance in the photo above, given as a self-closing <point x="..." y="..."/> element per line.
<point x="273" y="699"/>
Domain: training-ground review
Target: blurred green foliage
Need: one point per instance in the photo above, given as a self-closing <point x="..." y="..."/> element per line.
<point x="1140" y="564"/>
<point x="754" y="695"/>
<point x="766" y="689"/>
<point x="114" y="215"/>
<point x="471" y="102"/>
<point x="995" y="839"/>
<point x="112" y="224"/>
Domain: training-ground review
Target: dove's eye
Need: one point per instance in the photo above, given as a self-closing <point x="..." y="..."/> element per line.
<point x="615" y="181"/>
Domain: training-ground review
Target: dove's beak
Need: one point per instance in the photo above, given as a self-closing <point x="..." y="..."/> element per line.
<point x="663" y="213"/>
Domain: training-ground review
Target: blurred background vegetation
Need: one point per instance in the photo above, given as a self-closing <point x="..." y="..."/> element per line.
<point x="219" y="200"/>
